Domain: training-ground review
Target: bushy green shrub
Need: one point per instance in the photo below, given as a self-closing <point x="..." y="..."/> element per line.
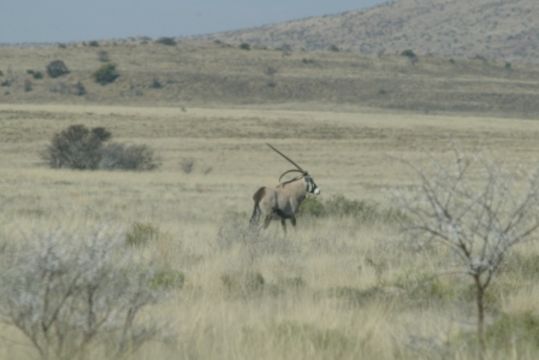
<point x="57" y="68"/>
<point x="106" y="74"/>
<point x="245" y="46"/>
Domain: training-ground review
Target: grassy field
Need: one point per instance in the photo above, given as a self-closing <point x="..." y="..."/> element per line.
<point x="339" y="287"/>
<point x="203" y="74"/>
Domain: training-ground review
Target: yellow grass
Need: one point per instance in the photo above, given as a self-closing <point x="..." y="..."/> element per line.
<point x="334" y="288"/>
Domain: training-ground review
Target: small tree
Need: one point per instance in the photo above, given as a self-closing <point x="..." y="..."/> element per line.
<point x="479" y="221"/>
<point x="57" y="68"/>
<point x="106" y="74"/>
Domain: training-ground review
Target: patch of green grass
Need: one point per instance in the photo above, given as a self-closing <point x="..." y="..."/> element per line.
<point x="244" y="283"/>
<point x="508" y="329"/>
<point x="332" y="342"/>
<point x="168" y="279"/>
<point x="141" y="234"/>
<point x="340" y="206"/>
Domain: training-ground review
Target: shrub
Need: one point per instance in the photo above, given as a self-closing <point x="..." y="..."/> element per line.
<point x="38" y="75"/>
<point x="79" y="89"/>
<point x="156" y="84"/>
<point x="127" y="157"/>
<point x="409" y="54"/>
<point x="67" y="293"/>
<point x="93" y="43"/>
<point x="28" y="85"/>
<point x="106" y="74"/>
<point x="243" y="283"/>
<point x="334" y="48"/>
<point x="169" y="41"/>
<point x="168" y="280"/>
<point x="270" y="71"/>
<point x="245" y="46"/>
<point x="76" y="147"/>
<point x="187" y="165"/>
<point x="141" y="234"/>
<point x="522" y="328"/>
<point x="57" y="68"/>
<point x="103" y="56"/>
<point x="311" y="206"/>
<point x="340" y="206"/>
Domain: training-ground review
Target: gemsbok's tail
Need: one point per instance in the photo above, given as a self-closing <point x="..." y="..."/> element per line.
<point x="255" y="217"/>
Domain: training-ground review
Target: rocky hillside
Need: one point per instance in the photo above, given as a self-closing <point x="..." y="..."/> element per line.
<point x="505" y="30"/>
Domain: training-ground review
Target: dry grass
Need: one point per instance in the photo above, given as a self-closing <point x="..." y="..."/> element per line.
<point x="335" y="288"/>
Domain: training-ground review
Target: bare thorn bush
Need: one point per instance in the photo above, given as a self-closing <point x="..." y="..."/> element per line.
<point x="67" y="293"/>
<point x="476" y="210"/>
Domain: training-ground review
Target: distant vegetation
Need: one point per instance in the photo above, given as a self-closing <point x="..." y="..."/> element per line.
<point x="106" y="74"/>
<point x="209" y="72"/>
<point x="57" y="68"/>
<point x="166" y="41"/>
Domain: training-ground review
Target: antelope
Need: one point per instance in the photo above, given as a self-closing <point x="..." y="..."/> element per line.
<point x="283" y="201"/>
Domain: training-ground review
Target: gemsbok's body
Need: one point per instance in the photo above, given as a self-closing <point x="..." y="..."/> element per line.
<point x="283" y="201"/>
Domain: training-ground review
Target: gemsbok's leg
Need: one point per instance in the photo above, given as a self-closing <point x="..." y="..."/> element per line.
<point x="267" y="221"/>
<point x="283" y="224"/>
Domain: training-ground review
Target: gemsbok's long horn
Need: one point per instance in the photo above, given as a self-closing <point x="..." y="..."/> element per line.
<point x="291" y="171"/>
<point x="286" y="157"/>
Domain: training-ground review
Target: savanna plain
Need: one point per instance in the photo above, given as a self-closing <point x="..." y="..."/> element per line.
<point x="338" y="286"/>
<point x="344" y="284"/>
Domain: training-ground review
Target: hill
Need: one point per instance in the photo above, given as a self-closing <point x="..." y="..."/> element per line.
<point x="494" y="29"/>
<point x="202" y="73"/>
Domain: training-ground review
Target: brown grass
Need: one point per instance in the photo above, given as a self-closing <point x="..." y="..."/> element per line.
<point x="335" y="288"/>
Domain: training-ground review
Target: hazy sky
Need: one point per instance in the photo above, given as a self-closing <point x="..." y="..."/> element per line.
<point x="73" y="20"/>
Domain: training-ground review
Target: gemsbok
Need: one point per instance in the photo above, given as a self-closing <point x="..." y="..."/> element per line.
<point x="283" y="201"/>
